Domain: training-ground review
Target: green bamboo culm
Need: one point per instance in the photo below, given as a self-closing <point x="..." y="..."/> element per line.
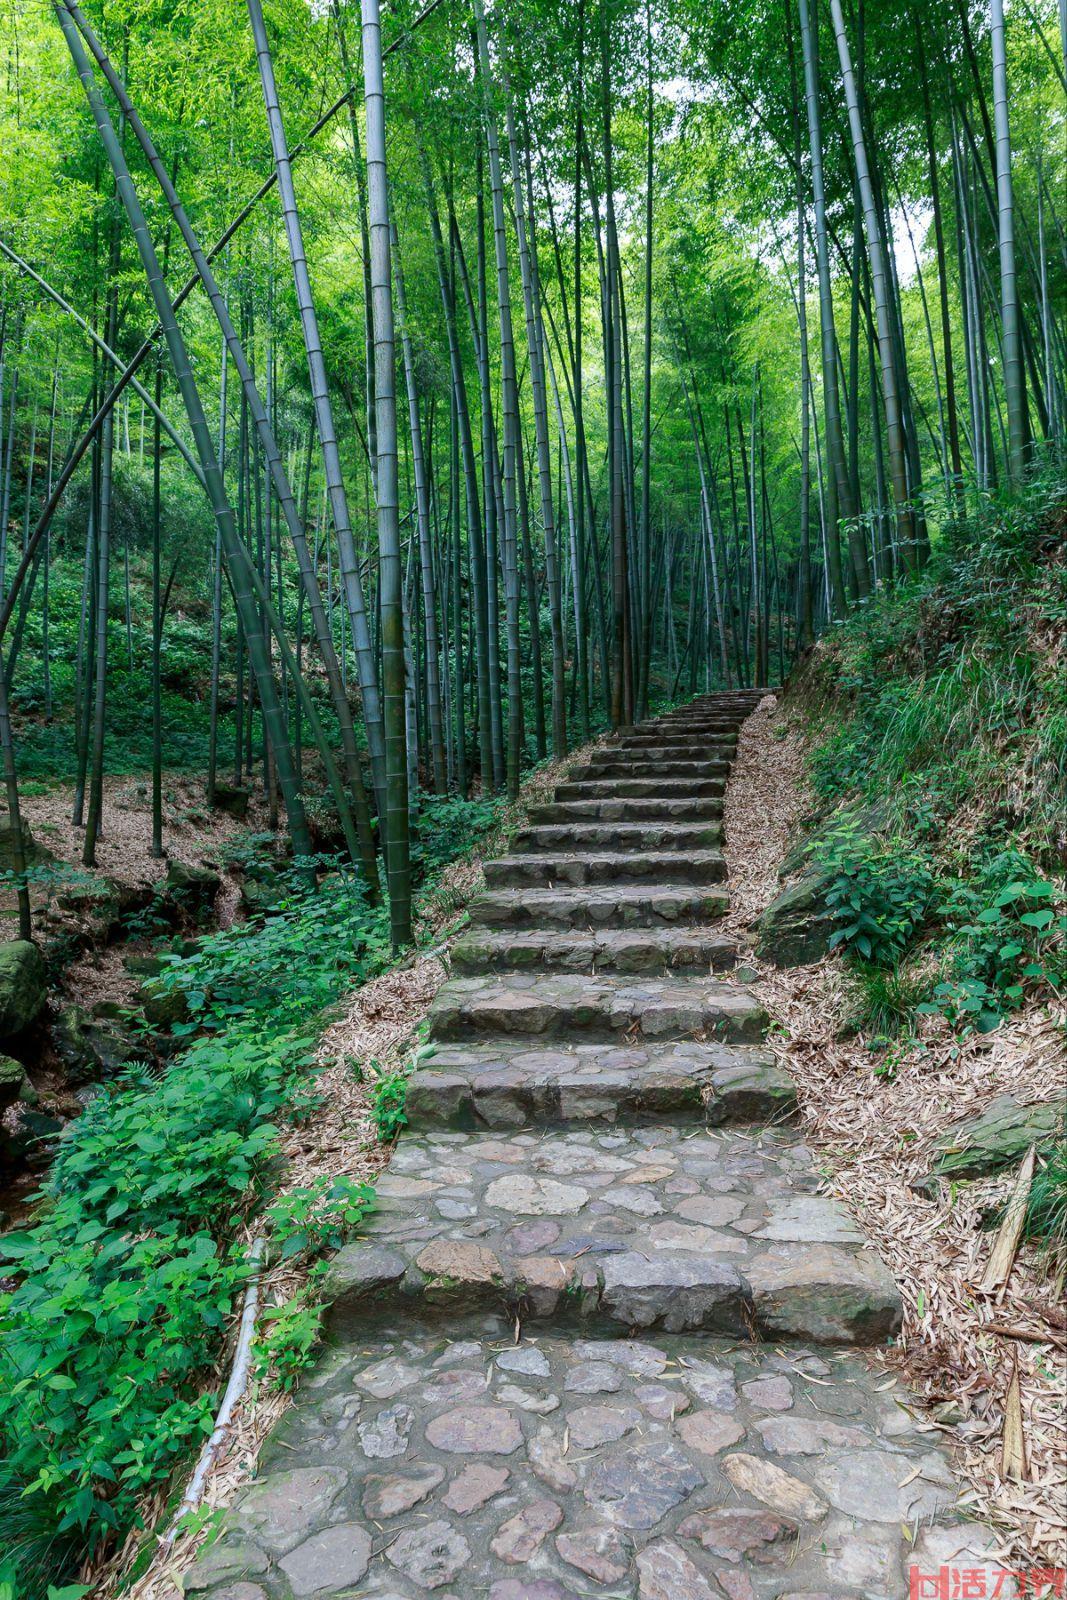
<point x="390" y="588"/>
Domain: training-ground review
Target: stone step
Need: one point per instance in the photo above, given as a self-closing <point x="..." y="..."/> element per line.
<point x="692" y="728"/>
<point x="625" y="766"/>
<point x="620" y="906"/>
<point x="656" y="951"/>
<point x="698" y="866"/>
<point x="641" y="789"/>
<point x="616" y="836"/>
<point x="567" y="1005"/>
<point x="507" y="1084"/>
<point x="675" y="747"/>
<point x="710" y="1231"/>
<point x="641" y="810"/>
<point x="500" y="1467"/>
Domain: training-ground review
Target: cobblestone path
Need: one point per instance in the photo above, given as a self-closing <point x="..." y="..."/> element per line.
<point x="599" y="1338"/>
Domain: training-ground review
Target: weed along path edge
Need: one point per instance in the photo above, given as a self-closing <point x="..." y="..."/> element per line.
<point x="602" y="1336"/>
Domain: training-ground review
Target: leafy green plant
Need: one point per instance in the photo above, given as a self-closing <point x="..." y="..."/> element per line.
<point x="1005" y="941"/>
<point x="289" y="1334"/>
<point x="309" y="1220"/>
<point x="294" y="962"/>
<point x="878" y="894"/>
<point x="388" y="1104"/>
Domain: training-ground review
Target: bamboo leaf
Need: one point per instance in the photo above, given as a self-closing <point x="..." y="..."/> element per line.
<point x="1013" y="1456"/>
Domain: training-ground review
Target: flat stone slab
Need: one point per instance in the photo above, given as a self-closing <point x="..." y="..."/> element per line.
<point x="998" y="1137"/>
<point x="696" y="951"/>
<point x="552" y="1470"/>
<point x="640" y="810"/>
<point x="506" y="1084"/>
<point x="639" y="788"/>
<point x="568" y="1004"/>
<point x="620" y="906"/>
<point x="680" y="744"/>
<point x="632" y="764"/>
<point x="615" y="836"/>
<point x="606" y="866"/>
<point x="653" y="1227"/>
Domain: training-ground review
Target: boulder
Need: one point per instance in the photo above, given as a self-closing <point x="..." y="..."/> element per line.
<point x="106" y="906"/>
<point x="795" y="929"/>
<point x="231" y="801"/>
<point x="88" y="897"/>
<point x="262" y="891"/>
<point x="94" y="1049"/>
<point x="192" y="889"/>
<point x="162" y="1007"/>
<point x="33" y="853"/>
<point x="998" y="1137"/>
<point x="13" y="1081"/>
<point x="31" y="1143"/>
<point x="23" y="985"/>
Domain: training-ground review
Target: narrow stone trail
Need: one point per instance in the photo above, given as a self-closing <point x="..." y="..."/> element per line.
<point x="600" y="1337"/>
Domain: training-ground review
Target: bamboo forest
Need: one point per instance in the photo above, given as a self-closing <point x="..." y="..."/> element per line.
<point x="533" y="712"/>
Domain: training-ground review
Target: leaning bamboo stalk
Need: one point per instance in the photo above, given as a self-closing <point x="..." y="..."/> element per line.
<point x="880" y="283"/>
<point x="106" y="351"/>
<point x="359" y="834"/>
<point x="242" y="573"/>
<point x="339" y="506"/>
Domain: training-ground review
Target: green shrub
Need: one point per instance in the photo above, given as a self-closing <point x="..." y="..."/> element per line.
<point x="879" y="894"/>
<point x="309" y="1220"/>
<point x="293" y="964"/>
<point x="1004" y="940"/>
<point x="388" y="1105"/>
<point x="447" y="827"/>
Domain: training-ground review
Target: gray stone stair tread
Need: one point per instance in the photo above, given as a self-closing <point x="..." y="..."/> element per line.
<point x="620" y="905"/>
<point x="514" y="1084"/>
<point x="638" y="788"/>
<point x="714" y="1231"/>
<point x="640" y="766"/>
<point x="597" y="1007"/>
<point x="606" y="866"/>
<point x="618" y="836"/>
<point x="650" y="950"/>
<point x="540" y="1468"/>
<point x="631" y="810"/>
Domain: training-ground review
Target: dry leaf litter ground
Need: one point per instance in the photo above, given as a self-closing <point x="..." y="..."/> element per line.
<point x="877" y="1135"/>
<point x="377" y="1022"/>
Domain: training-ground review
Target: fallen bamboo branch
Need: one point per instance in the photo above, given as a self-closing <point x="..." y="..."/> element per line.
<point x="1026" y="1335"/>
<point x="235" y="1389"/>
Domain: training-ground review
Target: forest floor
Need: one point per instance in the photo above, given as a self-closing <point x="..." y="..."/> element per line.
<point x="192" y="834"/>
<point x="876" y="1135"/>
<point x="873" y="1135"/>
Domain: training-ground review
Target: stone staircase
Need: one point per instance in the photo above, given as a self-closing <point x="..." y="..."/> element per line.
<point x="552" y="1329"/>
